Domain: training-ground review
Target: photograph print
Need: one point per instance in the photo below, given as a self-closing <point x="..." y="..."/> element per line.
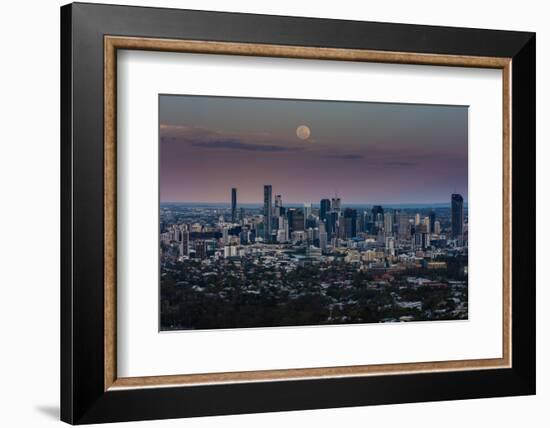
<point x="290" y="212"/>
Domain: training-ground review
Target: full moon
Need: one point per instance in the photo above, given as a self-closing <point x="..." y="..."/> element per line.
<point x="303" y="132"/>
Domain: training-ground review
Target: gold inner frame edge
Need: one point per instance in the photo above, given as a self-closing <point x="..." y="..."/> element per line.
<point x="113" y="43"/>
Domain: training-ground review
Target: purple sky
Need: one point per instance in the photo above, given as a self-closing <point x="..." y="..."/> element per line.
<point x="365" y="152"/>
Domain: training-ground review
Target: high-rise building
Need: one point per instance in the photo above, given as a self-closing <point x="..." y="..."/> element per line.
<point x="457" y="215"/>
<point x="388" y="223"/>
<point x="377" y="209"/>
<point x="233" y="205"/>
<point x="432" y="221"/>
<point x="368" y="224"/>
<point x="225" y="236"/>
<point x="404" y="226"/>
<point x="332" y="224"/>
<point x="336" y="205"/>
<point x="324" y="208"/>
<point x="417" y="219"/>
<point x="421" y="240"/>
<point x="201" y="249"/>
<point x="307" y="209"/>
<point x="278" y="205"/>
<point x="244" y="236"/>
<point x="282" y="229"/>
<point x="184" y="243"/>
<point x="421" y="228"/>
<point x="427" y="223"/>
<point x="377" y="218"/>
<point x="268" y="212"/>
<point x="390" y="245"/>
<point x="350" y="223"/>
<point x="437" y="227"/>
<point x="311" y="222"/>
<point x="298" y="220"/>
<point x="290" y="217"/>
<point x="310" y="233"/>
<point x="323" y="237"/>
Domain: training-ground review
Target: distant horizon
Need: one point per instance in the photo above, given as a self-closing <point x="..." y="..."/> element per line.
<point x="260" y="203"/>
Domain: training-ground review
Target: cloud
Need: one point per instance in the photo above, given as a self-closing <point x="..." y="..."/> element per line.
<point x="210" y="139"/>
<point x="377" y="159"/>
<point x="349" y="156"/>
<point x="399" y="163"/>
<point x="234" y="144"/>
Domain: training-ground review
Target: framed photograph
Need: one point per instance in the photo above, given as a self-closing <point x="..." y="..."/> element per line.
<point x="267" y="213"/>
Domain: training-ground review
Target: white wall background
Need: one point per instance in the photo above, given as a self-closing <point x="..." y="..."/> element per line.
<point x="29" y="214"/>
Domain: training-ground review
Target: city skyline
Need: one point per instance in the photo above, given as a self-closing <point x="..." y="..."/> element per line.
<point x="235" y="202"/>
<point x="366" y="153"/>
<point x="278" y="265"/>
<point x="259" y="202"/>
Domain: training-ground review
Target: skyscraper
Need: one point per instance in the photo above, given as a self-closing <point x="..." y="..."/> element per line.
<point x="278" y="205"/>
<point x="307" y="209"/>
<point x="350" y="222"/>
<point x="184" y="243"/>
<point x="388" y="223"/>
<point x="323" y="237"/>
<point x="432" y="221"/>
<point x="390" y="245"/>
<point x="377" y="209"/>
<point x="336" y="205"/>
<point x="233" y="205"/>
<point x="298" y="220"/>
<point x="404" y="226"/>
<point x="201" y="249"/>
<point x="324" y="208"/>
<point x="268" y="212"/>
<point x="377" y="218"/>
<point x="282" y="229"/>
<point x="427" y="222"/>
<point x="457" y="215"/>
<point x="421" y="240"/>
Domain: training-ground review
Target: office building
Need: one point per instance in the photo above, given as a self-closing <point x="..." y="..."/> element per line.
<point x="404" y="226"/>
<point x="427" y="223"/>
<point x="184" y="242"/>
<point x="388" y="223"/>
<point x="332" y="224"/>
<point x="336" y="205"/>
<point x="390" y="245"/>
<point x="298" y="220"/>
<point x="233" y="205"/>
<point x="268" y="212"/>
<point x="432" y="221"/>
<point x="278" y="205"/>
<point x="323" y="237"/>
<point x="324" y="208"/>
<point x="350" y="223"/>
<point x="307" y="210"/>
<point x="201" y="249"/>
<point x="457" y="215"/>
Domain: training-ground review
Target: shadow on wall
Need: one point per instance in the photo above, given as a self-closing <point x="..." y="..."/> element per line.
<point x="50" y="411"/>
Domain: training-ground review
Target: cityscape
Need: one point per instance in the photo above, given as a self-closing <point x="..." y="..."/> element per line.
<point x="288" y="265"/>
<point x="238" y="249"/>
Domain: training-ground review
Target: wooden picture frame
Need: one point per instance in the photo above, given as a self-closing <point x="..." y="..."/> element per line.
<point x="91" y="390"/>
